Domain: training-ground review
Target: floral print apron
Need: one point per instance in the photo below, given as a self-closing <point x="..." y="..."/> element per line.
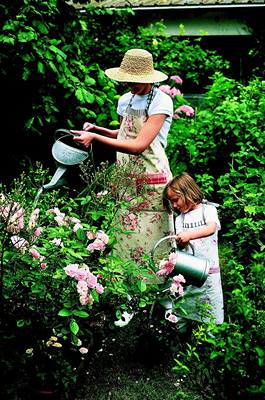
<point x="146" y="219"/>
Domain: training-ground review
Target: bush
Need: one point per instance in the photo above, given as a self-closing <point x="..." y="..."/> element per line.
<point x="223" y="149"/>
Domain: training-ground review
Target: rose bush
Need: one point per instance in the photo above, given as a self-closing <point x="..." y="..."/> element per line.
<point x="62" y="287"/>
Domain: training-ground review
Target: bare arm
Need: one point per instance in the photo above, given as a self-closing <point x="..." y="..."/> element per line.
<point x="145" y="137"/>
<point x="184" y="237"/>
<point x="112" y="133"/>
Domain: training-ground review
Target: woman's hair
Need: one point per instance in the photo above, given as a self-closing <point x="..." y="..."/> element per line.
<point x="186" y="187"/>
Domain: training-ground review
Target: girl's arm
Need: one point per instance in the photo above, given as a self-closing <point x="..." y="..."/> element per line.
<point x="184" y="237"/>
<point x="136" y="146"/>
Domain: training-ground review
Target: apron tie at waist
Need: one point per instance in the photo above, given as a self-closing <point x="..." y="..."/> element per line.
<point x="152" y="179"/>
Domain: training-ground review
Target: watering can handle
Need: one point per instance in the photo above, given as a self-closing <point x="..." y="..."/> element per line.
<point x="167" y="238"/>
<point x="59" y="133"/>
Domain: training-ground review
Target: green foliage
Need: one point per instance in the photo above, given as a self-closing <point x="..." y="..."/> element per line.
<point x="176" y="56"/>
<point x="223" y="148"/>
<point x="52" y="63"/>
<point x="53" y="319"/>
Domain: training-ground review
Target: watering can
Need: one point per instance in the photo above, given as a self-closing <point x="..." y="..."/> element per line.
<point x="194" y="269"/>
<point x="66" y="153"/>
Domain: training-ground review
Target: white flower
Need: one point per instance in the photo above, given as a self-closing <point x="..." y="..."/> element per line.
<point x="125" y="319"/>
<point x="83" y="350"/>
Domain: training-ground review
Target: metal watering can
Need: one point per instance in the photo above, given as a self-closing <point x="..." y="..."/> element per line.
<point x="66" y="153"/>
<point x="194" y="269"/>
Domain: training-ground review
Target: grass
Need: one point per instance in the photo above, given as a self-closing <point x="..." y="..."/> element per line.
<point x="130" y="369"/>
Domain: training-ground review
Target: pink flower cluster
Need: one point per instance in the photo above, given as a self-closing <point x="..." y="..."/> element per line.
<point x="176" y="285"/>
<point x="175" y="288"/>
<point x="172" y="92"/>
<point x="57" y="242"/>
<point x="63" y="220"/>
<point x="100" y="242"/>
<point x="101" y="194"/>
<point x="85" y="281"/>
<point x="167" y="266"/>
<point x="171" y="317"/>
<point x="13" y="214"/>
<point x="184" y="109"/>
<point x="177" y="79"/>
<point x="22" y="245"/>
<point x="33" y="218"/>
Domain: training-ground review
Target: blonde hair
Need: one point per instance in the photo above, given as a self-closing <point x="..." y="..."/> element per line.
<point x="186" y="187"/>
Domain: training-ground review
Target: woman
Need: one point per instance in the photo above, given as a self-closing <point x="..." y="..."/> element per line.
<point x="145" y="118"/>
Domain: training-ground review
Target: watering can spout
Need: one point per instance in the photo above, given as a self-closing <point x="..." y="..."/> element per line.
<point x="56" y="179"/>
<point x="66" y="153"/>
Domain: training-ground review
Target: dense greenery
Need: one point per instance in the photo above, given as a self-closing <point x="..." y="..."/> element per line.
<point x="52" y="62"/>
<point x="222" y="147"/>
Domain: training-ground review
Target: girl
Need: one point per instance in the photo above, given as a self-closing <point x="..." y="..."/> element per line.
<point x="197" y="224"/>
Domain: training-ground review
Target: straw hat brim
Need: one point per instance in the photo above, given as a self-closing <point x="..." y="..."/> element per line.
<point x="119" y="75"/>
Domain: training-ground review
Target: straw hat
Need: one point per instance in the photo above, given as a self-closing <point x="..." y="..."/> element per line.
<point x="137" y="67"/>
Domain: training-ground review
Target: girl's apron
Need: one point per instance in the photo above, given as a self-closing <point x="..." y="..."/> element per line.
<point x="146" y="219"/>
<point x="205" y="303"/>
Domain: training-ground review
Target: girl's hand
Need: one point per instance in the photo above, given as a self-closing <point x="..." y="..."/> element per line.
<point x="183" y="238"/>
<point x="84" y="138"/>
<point x="88" y="126"/>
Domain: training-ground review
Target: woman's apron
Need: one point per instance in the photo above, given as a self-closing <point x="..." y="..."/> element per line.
<point x="145" y="218"/>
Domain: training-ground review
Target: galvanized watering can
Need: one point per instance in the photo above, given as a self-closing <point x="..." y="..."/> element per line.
<point x="66" y="153"/>
<point x="194" y="269"/>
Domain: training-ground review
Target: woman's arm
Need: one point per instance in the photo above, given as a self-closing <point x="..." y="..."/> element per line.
<point x="112" y="133"/>
<point x="184" y="237"/>
<point x="136" y="146"/>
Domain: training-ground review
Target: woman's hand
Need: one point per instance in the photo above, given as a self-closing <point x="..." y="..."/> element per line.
<point x="84" y="138"/>
<point x="88" y="126"/>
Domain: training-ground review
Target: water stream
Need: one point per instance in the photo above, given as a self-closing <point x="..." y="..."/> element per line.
<point x="40" y="191"/>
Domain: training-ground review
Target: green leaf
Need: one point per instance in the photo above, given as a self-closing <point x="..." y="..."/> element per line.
<point x="7" y="39"/>
<point x="250" y="209"/>
<point x="40" y="26"/>
<point x="29" y="123"/>
<point x="142" y="286"/>
<point x="26" y="36"/>
<point x="53" y="67"/>
<point x="114" y="123"/>
<point x="80" y="313"/>
<point x="90" y="98"/>
<point x="142" y="303"/>
<point x="20" y="323"/>
<point x="85" y="200"/>
<point x="65" y="313"/>
<point x="41" y="68"/>
<point x="79" y="93"/>
<point x="74" y="254"/>
<point x="55" y="50"/>
<point x="83" y="25"/>
<point x="261" y="354"/>
<point x="80" y="234"/>
<point x="74" y="327"/>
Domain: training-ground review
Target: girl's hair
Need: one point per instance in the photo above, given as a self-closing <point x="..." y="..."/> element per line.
<point x="186" y="187"/>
